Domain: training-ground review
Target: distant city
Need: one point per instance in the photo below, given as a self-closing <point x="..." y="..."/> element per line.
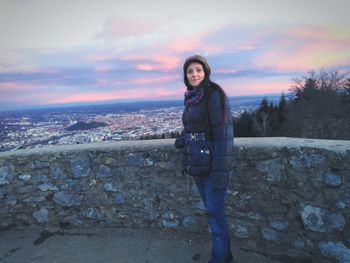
<point x="34" y="128"/>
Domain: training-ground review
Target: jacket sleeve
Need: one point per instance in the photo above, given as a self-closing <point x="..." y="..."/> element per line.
<point x="222" y="142"/>
<point x="180" y="141"/>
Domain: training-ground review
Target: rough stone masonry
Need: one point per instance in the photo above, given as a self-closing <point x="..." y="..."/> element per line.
<point x="289" y="198"/>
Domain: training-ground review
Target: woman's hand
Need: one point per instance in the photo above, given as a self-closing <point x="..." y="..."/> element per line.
<point x="180" y="142"/>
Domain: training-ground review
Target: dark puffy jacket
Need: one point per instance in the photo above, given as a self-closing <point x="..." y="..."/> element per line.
<point x="197" y="119"/>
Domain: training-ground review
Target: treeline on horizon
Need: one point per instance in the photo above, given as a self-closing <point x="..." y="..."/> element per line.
<point x="317" y="107"/>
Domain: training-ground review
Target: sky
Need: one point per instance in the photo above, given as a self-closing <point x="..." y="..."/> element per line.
<point x="78" y="51"/>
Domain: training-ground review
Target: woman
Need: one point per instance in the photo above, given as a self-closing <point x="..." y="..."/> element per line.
<point x="208" y="148"/>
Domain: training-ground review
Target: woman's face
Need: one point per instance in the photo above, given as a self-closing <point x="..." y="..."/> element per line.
<point x="195" y="74"/>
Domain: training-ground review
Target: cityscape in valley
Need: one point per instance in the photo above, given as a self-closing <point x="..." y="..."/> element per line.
<point x="34" y="128"/>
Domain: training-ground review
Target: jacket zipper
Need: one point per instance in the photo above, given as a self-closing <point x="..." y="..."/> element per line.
<point x="188" y="145"/>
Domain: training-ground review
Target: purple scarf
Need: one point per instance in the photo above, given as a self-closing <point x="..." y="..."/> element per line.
<point x="194" y="96"/>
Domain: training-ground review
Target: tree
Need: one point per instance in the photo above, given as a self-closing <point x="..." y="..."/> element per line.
<point x="262" y="117"/>
<point x="346" y="98"/>
<point x="317" y="107"/>
<point x="281" y="108"/>
<point x="243" y="125"/>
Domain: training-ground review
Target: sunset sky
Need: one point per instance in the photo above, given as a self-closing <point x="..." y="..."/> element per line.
<point x="59" y="51"/>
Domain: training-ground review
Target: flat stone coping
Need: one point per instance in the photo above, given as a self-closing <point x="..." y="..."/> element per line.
<point x="340" y="146"/>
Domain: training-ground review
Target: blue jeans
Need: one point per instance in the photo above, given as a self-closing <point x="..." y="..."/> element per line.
<point x="214" y="201"/>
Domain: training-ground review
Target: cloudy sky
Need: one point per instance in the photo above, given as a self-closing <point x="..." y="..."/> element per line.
<point x="60" y="51"/>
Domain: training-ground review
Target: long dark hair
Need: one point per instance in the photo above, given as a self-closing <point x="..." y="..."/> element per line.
<point x="223" y="100"/>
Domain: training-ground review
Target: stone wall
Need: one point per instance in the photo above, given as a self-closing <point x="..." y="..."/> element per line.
<point x="289" y="198"/>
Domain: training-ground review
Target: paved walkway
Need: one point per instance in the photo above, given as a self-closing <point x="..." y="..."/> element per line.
<point x="92" y="245"/>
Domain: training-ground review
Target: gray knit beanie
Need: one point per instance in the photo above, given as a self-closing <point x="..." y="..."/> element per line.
<point x="200" y="59"/>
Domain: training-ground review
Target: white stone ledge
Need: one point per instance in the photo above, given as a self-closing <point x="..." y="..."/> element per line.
<point x="339" y="146"/>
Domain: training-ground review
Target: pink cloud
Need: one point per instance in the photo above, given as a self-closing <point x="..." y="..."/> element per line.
<point x="246" y="47"/>
<point x="108" y="82"/>
<point x="118" y="27"/>
<point x="306" y="49"/>
<point x="158" y="61"/>
<point x="192" y="43"/>
<point x="166" y="61"/>
<point x="168" y="93"/>
<point x="153" y="80"/>
<point x="139" y="94"/>
<point x="249" y="86"/>
<point x="138" y="81"/>
<point x="185" y="44"/>
<point x="145" y="67"/>
<point x="99" y="57"/>
<point x="266" y="88"/>
<point x="104" y="68"/>
<point x="317" y="34"/>
<point x="15" y="85"/>
<point x="30" y="96"/>
<point x="170" y="56"/>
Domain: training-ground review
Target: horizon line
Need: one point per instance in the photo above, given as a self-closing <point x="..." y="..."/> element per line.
<point x="109" y="102"/>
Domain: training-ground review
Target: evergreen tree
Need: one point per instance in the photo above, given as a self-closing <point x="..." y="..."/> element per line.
<point x="261" y="118"/>
<point x="281" y="112"/>
<point x="317" y="108"/>
<point x="243" y="125"/>
<point x="281" y="109"/>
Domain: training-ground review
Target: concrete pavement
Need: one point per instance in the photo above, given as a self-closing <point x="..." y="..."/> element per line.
<point x="109" y="245"/>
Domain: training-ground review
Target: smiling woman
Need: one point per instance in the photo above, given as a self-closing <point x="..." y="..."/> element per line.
<point x="207" y="146"/>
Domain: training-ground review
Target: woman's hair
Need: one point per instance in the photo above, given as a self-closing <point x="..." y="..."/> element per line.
<point x="203" y="61"/>
<point x="223" y="100"/>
